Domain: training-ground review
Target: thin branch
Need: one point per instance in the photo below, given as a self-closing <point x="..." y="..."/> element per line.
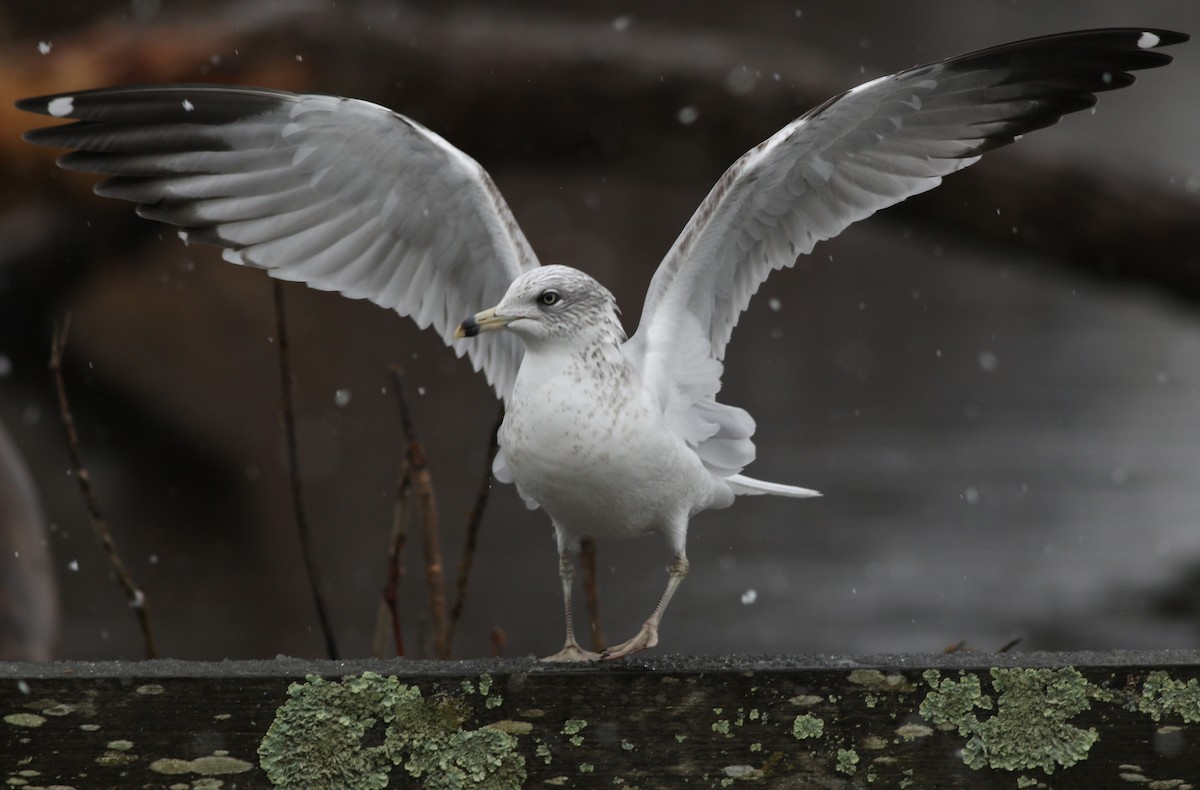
<point x="389" y="609"/>
<point x="134" y="593"/>
<point x="499" y="640"/>
<point x="289" y="429"/>
<point x="422" y="487"/>
<point x="474" y="521"/>
<point x="591" y="592"/>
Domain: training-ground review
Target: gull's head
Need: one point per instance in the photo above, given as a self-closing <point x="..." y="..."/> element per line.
<point x="551" y="304"/>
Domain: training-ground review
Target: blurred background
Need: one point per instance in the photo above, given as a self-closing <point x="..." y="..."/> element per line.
<point x="996" y="385"/>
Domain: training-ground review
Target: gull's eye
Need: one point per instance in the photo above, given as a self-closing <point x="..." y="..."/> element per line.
<point x="549" y="298"/>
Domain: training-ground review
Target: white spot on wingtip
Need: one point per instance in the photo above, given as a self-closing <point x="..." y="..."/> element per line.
<point x="1148" y="40"/>
<point x="188" y="106"/>
<point x="44" y="47"/>
<point x="232" y="256"/>
<point x="183" y="236"/>
<point x="62" y="106"/>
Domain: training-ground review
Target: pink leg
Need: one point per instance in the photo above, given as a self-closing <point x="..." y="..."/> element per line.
<point x="571" y="650"/>
<point x="648" y="636"/>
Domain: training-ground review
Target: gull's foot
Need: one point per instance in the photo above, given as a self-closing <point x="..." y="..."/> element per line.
<point x="647" y="637"/>
<point x="572" y="652"/>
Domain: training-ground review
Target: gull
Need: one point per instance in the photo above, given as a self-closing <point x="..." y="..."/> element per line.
<point x="613" y="437"/>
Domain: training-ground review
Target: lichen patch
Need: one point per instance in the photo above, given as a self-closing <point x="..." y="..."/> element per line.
<point x="807" y="726"/>
<point x="1031" y="726"/>
<point x="351" y="733"/>
<point x="1163" y="697"/>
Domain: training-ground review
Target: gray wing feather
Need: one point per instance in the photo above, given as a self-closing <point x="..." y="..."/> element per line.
<point x="340" y="194"/>
<point x="864" y="150"/>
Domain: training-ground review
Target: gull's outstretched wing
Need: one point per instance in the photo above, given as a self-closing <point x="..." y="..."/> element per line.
<point x="341" y="194"/>
<point x="864" y="150"/>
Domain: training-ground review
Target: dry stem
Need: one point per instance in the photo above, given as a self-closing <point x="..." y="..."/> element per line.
<point x="135" y="595"/>
<point x="289" y="428"/>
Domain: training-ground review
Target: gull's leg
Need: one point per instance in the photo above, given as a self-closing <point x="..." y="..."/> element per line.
<point x="571" y="650"/>
<point x="648" y="636"/>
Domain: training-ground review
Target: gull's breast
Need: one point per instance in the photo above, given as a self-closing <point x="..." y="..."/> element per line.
<point x="584" y="440"/>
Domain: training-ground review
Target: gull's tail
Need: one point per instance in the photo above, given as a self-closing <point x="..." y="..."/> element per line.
<point x="748" y="485"/>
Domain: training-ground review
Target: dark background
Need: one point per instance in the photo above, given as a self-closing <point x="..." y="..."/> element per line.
<point x="996" y="389"/>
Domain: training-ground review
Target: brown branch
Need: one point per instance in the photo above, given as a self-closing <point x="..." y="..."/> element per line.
<point x="474" y="521"/>
<point x="134" y="593"/>
<point x="422" y="488"/>
<point x="389" y="609"/>
<point x="287" y="409"/>
<point x="591" y="592"/>
<point x="499" y="640"/>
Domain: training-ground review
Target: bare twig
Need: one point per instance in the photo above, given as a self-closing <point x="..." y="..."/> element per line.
<point x="137" y="598"/>
<point x="499" y="640"/>
<point x="1010" y="644"/>
<point x="422" y="488"/>
<point x="289" y="430"/>
<point x="389" y="607"/>
<point x="591" y="592"/>
<point x="474" y="521"/>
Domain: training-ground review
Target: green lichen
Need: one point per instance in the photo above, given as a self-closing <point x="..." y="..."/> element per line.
<point x="214" y="765"/>
<point x="113" y="758"/>
<point x="25" y="720"/>
<point x="1030" y="728"/>
<point x="171" y="766"/>
<point x="874" y="743"/>
<point x="572" y="728"/>
<point x="807" y="726"/>
<point x="351" y="733"/>
<point x="543" y="751"/>
<point x="1026" y="781"/>
<point x="877" y="681"/>
<point x="721" y="726"/>
<point x="910" y="731"/>
<point x="512" y="727"/>
<point x="847" y="761"/>
<point x="805" y="700"/>
<point x="1162" y="697"/>
<point x="586" y="768"/>
<point x="494" y="702"/>
<point x="59" y="709"/>
<point x="485" y="684"/>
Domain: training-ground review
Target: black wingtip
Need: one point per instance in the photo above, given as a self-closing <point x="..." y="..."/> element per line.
<point x="58" y="105"/>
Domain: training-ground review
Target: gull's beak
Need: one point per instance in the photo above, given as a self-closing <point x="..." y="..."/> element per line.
<point x="486" y="321"/>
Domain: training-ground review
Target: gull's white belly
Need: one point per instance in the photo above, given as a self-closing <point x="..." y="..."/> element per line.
<point x="593" y="452"/>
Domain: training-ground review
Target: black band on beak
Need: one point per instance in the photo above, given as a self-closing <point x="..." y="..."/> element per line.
<point x="468" y="328"/>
